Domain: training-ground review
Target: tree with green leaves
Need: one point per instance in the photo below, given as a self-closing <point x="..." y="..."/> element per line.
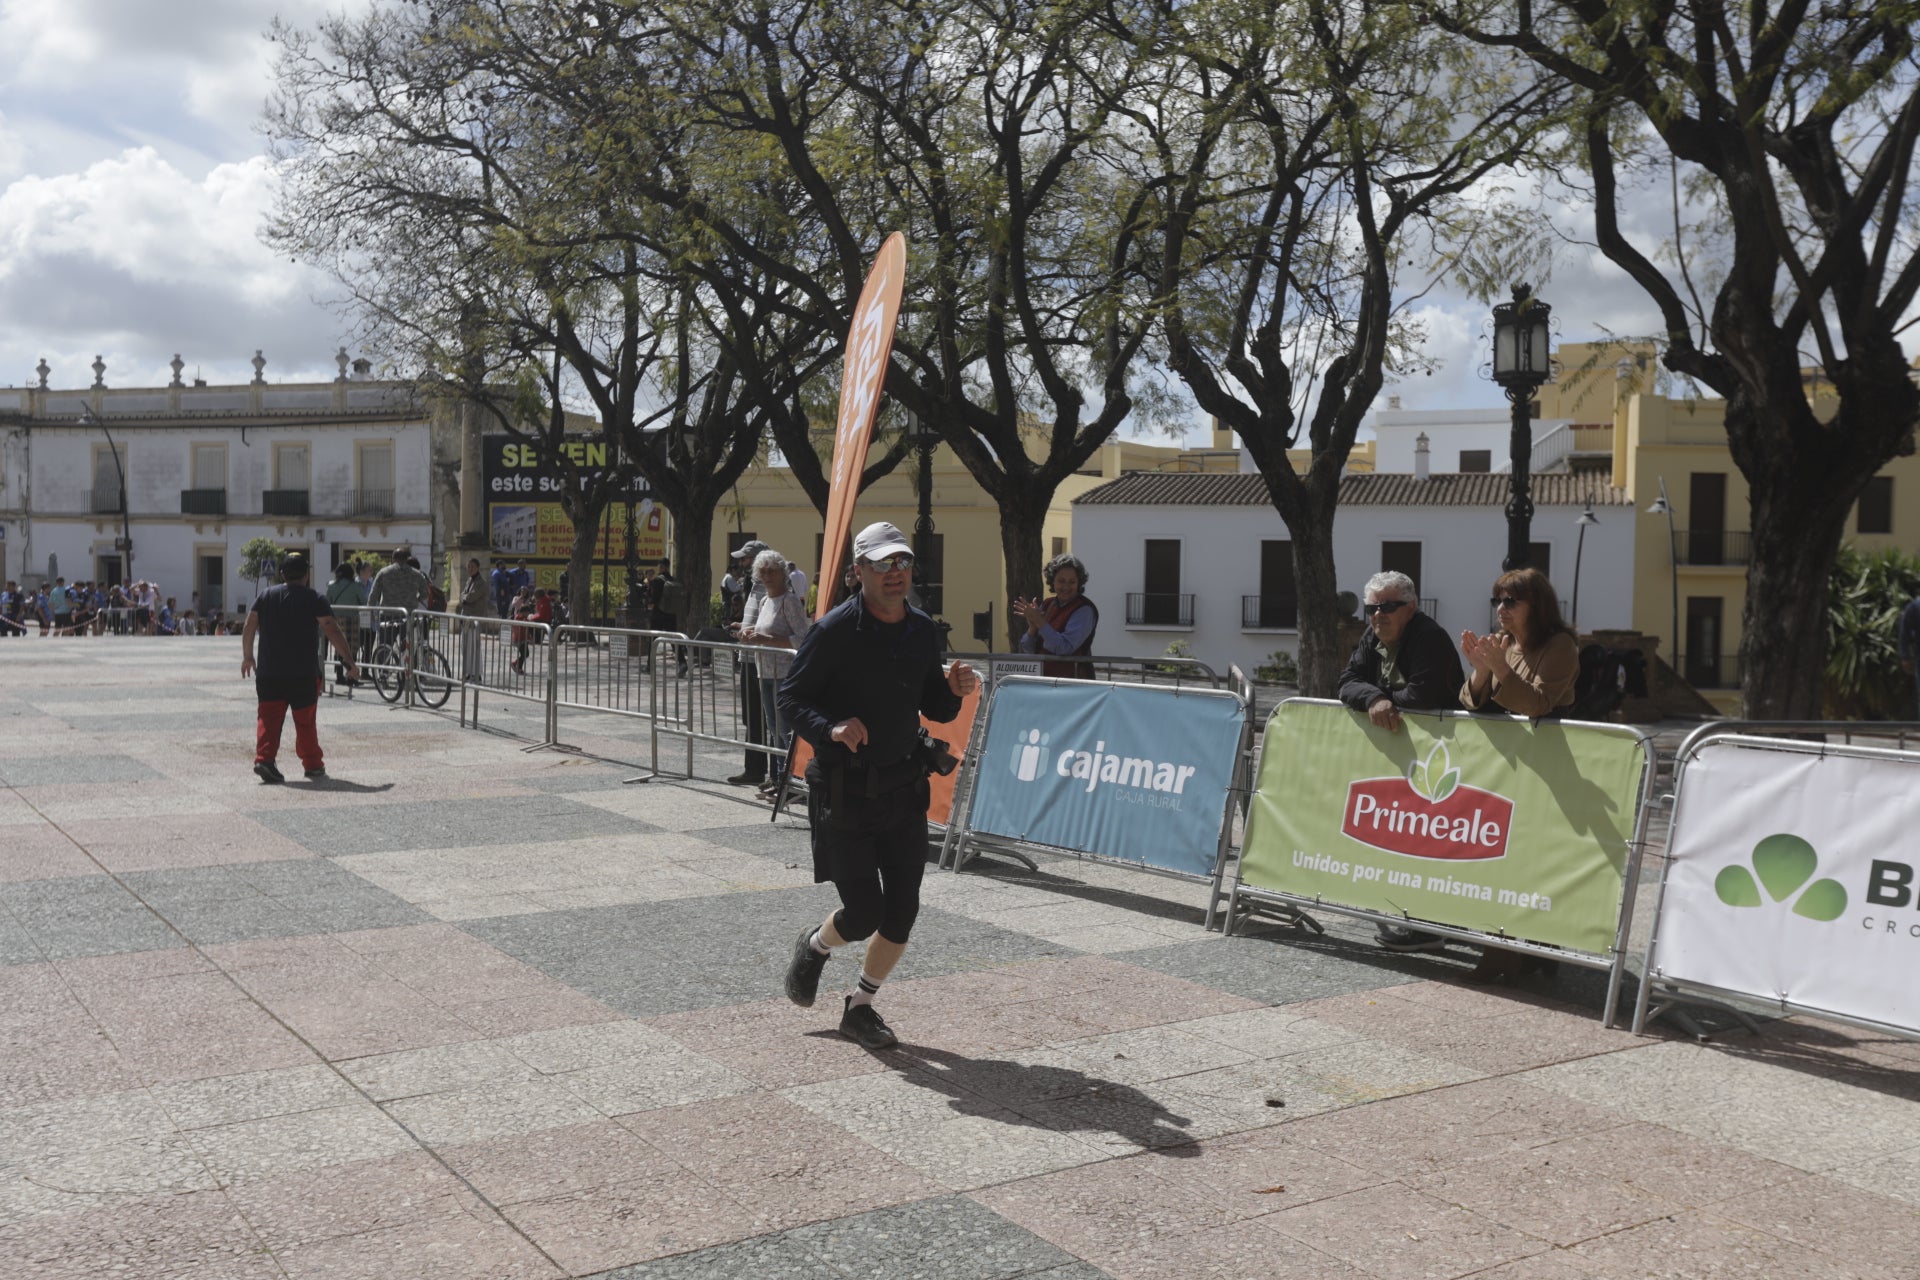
<point x="1783" y="135"/>
<point x="976" y="127"/>
<point x="1310" y="167"/>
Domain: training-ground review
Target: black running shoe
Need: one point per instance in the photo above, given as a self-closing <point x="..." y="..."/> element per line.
<point x="316" y="775"/>
<point x="267" y="772"/>
<point x="803" y="971"/>
<point x="1394" y="938"/>
<point x="862" y="1024"/>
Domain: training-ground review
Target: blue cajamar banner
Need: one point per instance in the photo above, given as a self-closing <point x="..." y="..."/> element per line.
<point x="1131" y="773"/>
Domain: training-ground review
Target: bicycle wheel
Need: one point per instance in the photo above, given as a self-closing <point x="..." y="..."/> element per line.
<point x="432" y="678"/>
<point x="386" y="672"/>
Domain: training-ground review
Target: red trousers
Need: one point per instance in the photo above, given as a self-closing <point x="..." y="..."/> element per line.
<point x="277" y="697"/>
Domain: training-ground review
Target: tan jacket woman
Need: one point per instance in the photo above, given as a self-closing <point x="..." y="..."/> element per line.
<point x="1530" y="667"/>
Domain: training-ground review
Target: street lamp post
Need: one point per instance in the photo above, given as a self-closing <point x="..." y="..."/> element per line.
<point x="926" y="439"/>
<point x="89" y="418"/>
<point x="1586" y="520"/>
<point x="1661" y="507"/>
<point x="1520" y="365"/>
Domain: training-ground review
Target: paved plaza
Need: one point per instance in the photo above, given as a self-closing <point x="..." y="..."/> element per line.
<point x="468" y="1010"/>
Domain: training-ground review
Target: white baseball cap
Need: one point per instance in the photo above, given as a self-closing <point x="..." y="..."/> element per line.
<point x="878" y="541"/>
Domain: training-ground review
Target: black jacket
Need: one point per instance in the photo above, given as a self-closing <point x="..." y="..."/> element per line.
<point x="887" y="674"/>
<point x="1429" y="661"/>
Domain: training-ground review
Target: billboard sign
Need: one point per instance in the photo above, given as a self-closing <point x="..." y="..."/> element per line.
<point x="1793" y="877"/>
<point x="1489" y="824"/>
<point x="1133" y="773"/>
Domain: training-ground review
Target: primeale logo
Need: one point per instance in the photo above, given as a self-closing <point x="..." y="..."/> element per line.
<point x="1429" y="813"/>
<point x="1781" y="864"/>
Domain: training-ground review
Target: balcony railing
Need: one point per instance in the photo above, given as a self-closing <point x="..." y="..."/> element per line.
<point x="1269" y="613"/>
<point x="1711" y="546"/>
<point x="284" y="502"/>
<point x="203" y="502"/>
<point x="373" y="503"/>
<point x="104" y="500"/>
<point x="1711" y="670"/>
<point x="1159" y="609"/>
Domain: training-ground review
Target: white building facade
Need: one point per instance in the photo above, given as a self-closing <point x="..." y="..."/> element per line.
<point x="1206" y="560"/>
<point x="329" y="469"/>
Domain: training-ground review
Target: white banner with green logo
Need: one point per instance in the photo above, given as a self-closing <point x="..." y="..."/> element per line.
<point x="1794" y="878"/>
<point x="1489" y="824"/>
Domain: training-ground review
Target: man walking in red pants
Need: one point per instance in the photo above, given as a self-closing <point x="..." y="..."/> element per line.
<point x="288" y="620"/>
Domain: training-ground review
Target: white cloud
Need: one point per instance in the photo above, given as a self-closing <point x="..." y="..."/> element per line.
<point x="134" y="259"/>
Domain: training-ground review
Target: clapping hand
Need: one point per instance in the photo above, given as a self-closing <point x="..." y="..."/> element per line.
<point x="1031" y="611"/>
<point x="1486" y="653"/>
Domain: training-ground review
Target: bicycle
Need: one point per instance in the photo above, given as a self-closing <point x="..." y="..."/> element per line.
<point x="396" y="662"/>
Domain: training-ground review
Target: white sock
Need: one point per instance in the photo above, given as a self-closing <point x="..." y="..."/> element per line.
<point x="869" y="988"/>
<point x="819" y="946"/>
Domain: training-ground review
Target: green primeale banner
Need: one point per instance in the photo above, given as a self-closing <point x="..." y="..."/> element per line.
<point x="1495" y="825"/>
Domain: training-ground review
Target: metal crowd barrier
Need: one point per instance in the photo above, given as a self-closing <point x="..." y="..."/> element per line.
<point x="372" y="624"/>
<point x="1109" y="669"/>
<point x="498" y="657"/>
<point x="705" y="701"/>
<point x="1663" y="994"/>
<point x="614" y="671"/>
<point x="1245" y="901"/>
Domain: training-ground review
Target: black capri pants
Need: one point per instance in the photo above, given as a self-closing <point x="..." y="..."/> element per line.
<point x="875" y="850"/>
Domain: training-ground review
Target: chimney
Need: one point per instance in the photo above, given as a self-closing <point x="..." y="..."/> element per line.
<point x="1422" y="460"/>
<point x="1393" y="402"/>
<point x="362" y="369"/>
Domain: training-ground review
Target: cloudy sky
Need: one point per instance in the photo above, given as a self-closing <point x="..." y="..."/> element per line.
<point x="133" y="183"/>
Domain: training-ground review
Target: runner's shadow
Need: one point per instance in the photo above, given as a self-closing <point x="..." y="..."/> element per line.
<point x="341" y="785"/>
<point x="1048" y="1097"/>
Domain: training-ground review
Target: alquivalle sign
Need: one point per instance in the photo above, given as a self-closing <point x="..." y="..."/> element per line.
<point x="1481" y="823"/>
<point x="1131" y="773"/>
<point x="1793" y="878"/>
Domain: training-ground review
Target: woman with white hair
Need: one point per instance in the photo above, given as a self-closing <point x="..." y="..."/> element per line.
<point x="779" y="623"/>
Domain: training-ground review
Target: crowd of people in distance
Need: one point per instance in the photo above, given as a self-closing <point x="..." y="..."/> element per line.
<point x="83" y="608"/>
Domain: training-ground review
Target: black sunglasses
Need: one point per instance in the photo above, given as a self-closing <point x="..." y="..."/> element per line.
<point x="1505" y="602"/>
<point x="1385" y="606"/>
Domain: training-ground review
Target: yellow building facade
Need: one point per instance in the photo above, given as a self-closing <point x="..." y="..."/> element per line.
<point x="1690" y="591"/>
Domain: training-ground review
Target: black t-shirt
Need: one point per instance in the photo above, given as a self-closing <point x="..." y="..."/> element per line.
<point x="290" y="630"/>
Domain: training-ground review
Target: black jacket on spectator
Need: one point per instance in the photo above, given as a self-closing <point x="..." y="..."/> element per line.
<point x="1429" y="661"/>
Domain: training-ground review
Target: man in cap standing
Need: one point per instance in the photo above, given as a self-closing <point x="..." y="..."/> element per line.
<point x="288" y="621"/>
<point x="864" y="676"/>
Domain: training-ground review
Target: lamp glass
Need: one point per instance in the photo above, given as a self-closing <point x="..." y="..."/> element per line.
<point x="1506" y="345"/>
<point x="1538" y="336"/>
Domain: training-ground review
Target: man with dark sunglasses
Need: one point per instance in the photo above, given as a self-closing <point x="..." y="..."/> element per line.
<point x="863" y="677"/>
<point x="1405" y="661"/>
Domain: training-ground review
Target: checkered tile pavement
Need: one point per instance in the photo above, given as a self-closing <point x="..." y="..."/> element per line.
<point x="468" y="1011"/>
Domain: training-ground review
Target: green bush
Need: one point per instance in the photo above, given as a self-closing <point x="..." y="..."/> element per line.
<point x="1279" y="668"/>
<point x="1865" y="593"/>
<point x="254" y="557"/>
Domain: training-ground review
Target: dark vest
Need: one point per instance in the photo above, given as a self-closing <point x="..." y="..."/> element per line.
<point x="1057" y="615"/>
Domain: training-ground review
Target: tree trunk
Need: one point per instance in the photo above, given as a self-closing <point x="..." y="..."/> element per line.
<point x="1796" y="536"/>
<point x="1022" y="519"/>
<point x="693" y="560"/>
<point x="1318" y="591"/>
<point x="586" y="516"/>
